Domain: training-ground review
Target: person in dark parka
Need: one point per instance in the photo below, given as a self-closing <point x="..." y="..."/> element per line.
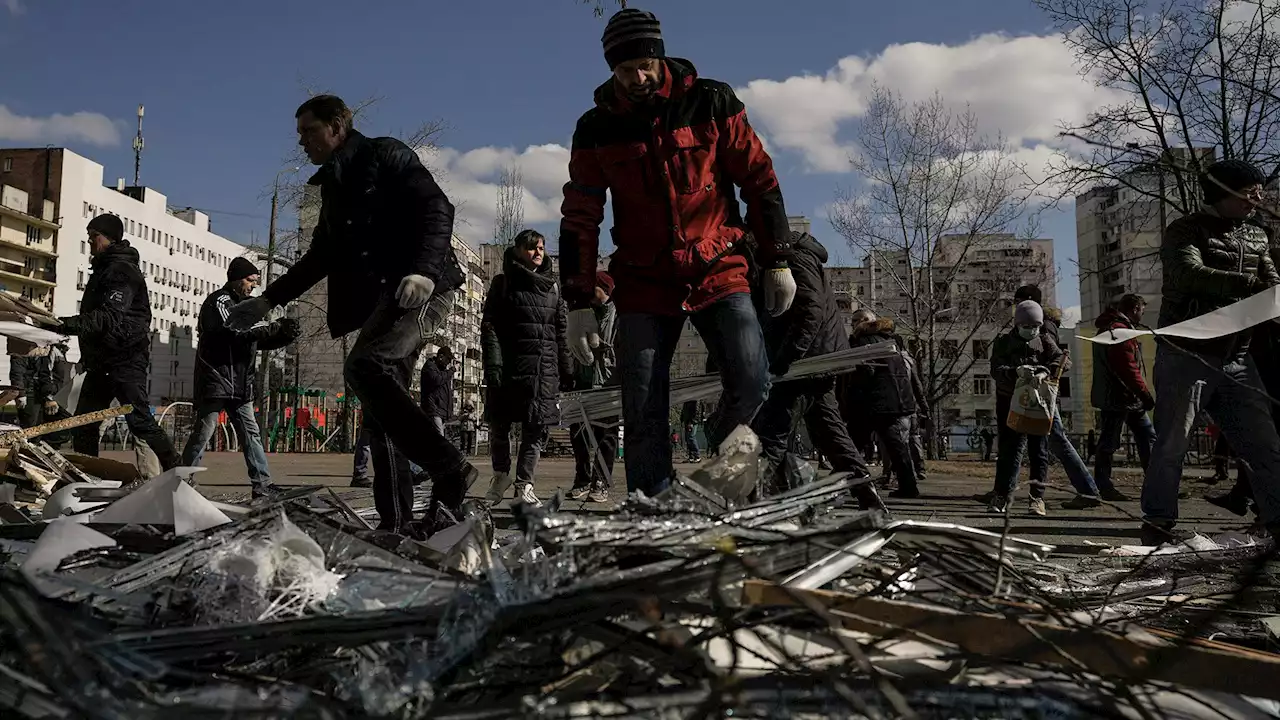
<point x="225" y="369"/>
<point x="810" y="327"/>
<point x="437" y="387"/>
<point x="881" y="399"/>
<point x="114" y="327"/>
<point x="525" y="358"/>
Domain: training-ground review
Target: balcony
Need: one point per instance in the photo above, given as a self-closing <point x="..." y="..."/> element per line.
<point x="37" y="277"/>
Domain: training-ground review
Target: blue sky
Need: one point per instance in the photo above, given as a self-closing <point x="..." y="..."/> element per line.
<point x="220" y="83"/>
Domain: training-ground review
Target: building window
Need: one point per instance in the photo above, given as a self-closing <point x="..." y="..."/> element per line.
<point x="84" y="247"/>
<point x="981" y="385"/>
<point x="33" y="235"/>
<point x="86" y="209"/>
<point x="949" y="349"/>
<point x="8" y="164"/>
<point x="981" y="348"/>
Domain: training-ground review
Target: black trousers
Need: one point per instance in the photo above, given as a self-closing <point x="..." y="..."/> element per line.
<point x="379" y="371"/>
<point x="815" y="402"/>
<point x="587" y="471"/>
<point x="99" y="389"/>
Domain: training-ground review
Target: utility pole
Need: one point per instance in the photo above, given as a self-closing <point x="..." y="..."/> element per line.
<point x="264" y="377"/>
<point x="137" y="150"/>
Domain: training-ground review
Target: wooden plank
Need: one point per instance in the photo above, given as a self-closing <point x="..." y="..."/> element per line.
<point x="1184" y="661"/>
<point x="10" y="438"/>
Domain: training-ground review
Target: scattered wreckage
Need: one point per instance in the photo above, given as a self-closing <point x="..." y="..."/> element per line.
<point x="150" y="601"/>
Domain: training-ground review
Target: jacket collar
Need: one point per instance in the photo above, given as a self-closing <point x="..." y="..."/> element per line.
<point x="332" y="170"/>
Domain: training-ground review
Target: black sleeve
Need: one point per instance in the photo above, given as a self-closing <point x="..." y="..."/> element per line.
<point x="804" y="319"/>
<point x="309" y="269"/>
<point x="430" y="219"/>
<point x="20" y="375"/>
<point x="121" y="287"/>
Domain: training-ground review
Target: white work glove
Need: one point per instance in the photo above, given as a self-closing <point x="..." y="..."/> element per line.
<point x="584" y="335"/>
<point x="415" y="291"/>
<point x="20" y="401"/>
<point x="779" y="290"/>
<point x="247" y="313"/>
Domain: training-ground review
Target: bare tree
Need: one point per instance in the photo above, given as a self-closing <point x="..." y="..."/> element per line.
<point x="508" y="220"/>
<point x="1191" y="80"/>
<point x="934" y="215"/>
<point x="598" y="6"/>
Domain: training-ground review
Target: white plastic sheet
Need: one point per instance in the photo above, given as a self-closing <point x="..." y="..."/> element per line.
<point x="1231" y="319"/>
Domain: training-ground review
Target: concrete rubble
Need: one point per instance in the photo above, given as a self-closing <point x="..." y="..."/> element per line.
<point x="124" y="599"/>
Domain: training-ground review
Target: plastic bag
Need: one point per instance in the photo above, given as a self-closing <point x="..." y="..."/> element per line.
<point x="1035" y="399"/>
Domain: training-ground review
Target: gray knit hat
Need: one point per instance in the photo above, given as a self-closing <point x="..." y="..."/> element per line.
<point x="630" y="35"/>
<point x="1028" y="312"/>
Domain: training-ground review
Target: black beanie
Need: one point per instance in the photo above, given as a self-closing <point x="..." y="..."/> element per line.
<point x="108" y="226"/>
<point x="240" y="269"/>
<point x="1234" y="174"/>
<point x="630" y="35"/>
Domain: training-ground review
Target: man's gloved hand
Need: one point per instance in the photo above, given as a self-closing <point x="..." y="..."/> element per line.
<point x="247" y="313"/>
<point x="290" y="328"/>
<point x="50" y="407"/>
<point x="779" y="290"/>
<point x="69" y="325"/>
<point x="584" y="335"/>
<point x="20" y="401"/>
<point x="415" y="291"/>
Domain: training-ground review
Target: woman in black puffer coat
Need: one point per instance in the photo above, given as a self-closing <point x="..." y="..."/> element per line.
<point x="525" y="357"/>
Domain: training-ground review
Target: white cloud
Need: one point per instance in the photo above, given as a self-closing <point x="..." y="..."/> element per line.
<point x="471" y="180"/>
<point x="1070" y="316"/>
<point x="90" y="127"/>
<point x="1020" y="87"/>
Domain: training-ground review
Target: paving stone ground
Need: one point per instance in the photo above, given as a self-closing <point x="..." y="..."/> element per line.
<point x="948" y="496"/>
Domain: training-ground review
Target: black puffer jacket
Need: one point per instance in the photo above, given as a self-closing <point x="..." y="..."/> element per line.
<point x="225" y="358"/>
<point x="1010" y="352"/>
<point x="1210" y="262"/>
<point x="383" y="217"/>
<point x="812" y="326"/>
<point x="525" y="351"/>
<point x="437" y="390"/>
<point x="114" y="324"/>
<point x="884" y="388"/>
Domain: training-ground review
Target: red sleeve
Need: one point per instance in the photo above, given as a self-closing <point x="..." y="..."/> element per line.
<point x="1124" y="363"/>
<point x="749" y="166"/>
<point x="581" y="214"/>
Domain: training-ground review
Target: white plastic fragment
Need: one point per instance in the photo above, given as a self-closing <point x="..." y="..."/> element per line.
<point x="61" y="539"/>
<point x="166" y="499"/>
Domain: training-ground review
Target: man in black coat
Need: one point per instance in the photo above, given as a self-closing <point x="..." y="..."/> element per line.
<point x="384" y="242"/>
<point x="225" y="373"/>
<point x="811" y="327"/>
<point x="437" y="387"/>
<point x="114" y="327"/>
<point x="881" y="399"/>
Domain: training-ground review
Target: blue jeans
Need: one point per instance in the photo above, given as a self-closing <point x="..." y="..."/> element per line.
<point x="363" y="457"/>
<point x="240" y="415"/>
<point x="1113" y="421"/>
<point x="1230" y="395"/>
<point x="1072" y="465"/>
<point x="645" y="346"/>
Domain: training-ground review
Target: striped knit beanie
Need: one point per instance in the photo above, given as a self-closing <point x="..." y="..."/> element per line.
<point x="630" y="35"/>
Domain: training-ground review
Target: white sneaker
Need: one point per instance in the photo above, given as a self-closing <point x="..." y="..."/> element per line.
<point x="497" y="488"/>
<point x="524" y="494"/>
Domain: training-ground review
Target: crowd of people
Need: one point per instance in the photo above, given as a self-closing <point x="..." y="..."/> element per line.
<point x="673" y="152"/>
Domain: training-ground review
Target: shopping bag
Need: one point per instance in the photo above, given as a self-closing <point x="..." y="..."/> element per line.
<point x="1035" y="399"/>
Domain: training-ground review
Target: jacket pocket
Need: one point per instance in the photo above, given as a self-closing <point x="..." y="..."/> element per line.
<point x="625" y="167"/>
<point x="694" y="159"/>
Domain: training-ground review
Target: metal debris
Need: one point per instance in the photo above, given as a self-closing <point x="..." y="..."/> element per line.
<point x="695" y="603"/>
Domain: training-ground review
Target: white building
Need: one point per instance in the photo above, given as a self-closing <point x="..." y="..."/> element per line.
<point x="182" y="260"/>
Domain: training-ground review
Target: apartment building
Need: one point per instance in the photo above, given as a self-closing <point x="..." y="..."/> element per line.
<point x="181" y="257"/>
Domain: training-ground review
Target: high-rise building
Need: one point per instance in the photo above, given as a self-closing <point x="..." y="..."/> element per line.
<point x="54" y="192"/>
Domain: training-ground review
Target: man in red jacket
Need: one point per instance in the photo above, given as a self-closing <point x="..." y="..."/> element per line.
<point x="671" y="148"/>
<point x="1120" y="391"/>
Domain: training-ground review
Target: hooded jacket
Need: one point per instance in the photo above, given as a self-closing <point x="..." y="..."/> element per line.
<point x="1010" y="351"/>
<point x="1118" y="383"/>
<point x="604" y="360"/>
<point x="114" y="324"/>
<point x="437" y="389"/>
<point x="885" y="388"/>
<point x="382" y="217"/>
<point x="812" y="326"/>
<point x="225" y="358"/>
<point x="1208" y="263"/>
<point x="522" y="331"/>
<point x="670" y="168"/>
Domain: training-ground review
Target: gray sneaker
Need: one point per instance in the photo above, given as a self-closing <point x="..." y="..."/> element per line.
<point x="598" y="495"/>
<point x="579" y="493"/>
